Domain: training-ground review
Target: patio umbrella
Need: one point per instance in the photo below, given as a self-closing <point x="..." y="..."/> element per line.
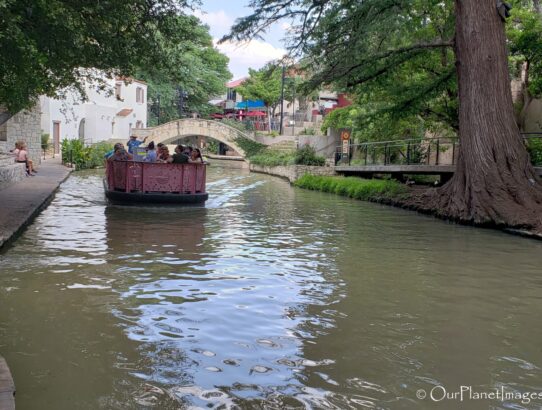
<point x="256" y="114"/>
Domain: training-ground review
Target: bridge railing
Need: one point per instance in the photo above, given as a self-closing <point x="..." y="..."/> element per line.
<point x="132" y="176"/>
<point x="419" y="151"/>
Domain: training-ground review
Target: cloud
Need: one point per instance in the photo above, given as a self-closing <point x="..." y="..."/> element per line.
<point x="254" y="54"/>
<point x="218" y="21"/>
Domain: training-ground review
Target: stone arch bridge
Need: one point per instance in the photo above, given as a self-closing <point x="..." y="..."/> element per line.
<point x="174" y="130"/>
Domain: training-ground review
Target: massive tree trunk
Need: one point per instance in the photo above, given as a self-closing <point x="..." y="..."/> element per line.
<point x="494" y="182"/>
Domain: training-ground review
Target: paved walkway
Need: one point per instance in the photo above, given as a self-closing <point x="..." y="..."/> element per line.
<point x="7" y="387"/>
<point x="22" y="201"/>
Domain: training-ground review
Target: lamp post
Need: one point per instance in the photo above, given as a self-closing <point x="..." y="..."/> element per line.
<point x="282" y="99"/>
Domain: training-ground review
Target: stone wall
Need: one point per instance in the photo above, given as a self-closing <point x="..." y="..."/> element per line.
<point x="293" y="172"/>
<point x="25" y="126"/>
<point x="10" y="171"/>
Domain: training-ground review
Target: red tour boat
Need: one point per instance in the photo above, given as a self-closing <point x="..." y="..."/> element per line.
<point x="132" y="182"/>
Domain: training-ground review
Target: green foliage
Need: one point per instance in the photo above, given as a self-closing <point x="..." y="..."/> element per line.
<point x="263" y="84"/>
<point x="74" y="152"/>
<point x="306" y="155"/>
<point x="272" y="158"/>
<point x="238" y="125"/>
<point x="45" y="142"/>
<point x="212" y="147"/>
<point x="49" y="45"/>
<point x="353" y="187"/>
<point x="524" y="32"/>
<point x="394" y="58"/>
<point x="534" y="147"/>
<point x="308" y="131"/>
<point x="195" y="68"/>
<point x="250" y="147"/>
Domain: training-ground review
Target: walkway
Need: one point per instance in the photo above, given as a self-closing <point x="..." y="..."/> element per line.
<point x="7" y="387"/>
<point x="21" y="202"/>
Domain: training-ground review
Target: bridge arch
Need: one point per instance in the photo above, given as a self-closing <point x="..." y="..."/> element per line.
<point x="177" y="129"/>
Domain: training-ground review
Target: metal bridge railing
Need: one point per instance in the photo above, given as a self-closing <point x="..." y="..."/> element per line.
<point x="419" y="151"/>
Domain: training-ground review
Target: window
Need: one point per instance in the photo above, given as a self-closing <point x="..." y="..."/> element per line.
<point x="118" y="91"/>
<point x="232" y="94"/>
<point x="140" y="95"/>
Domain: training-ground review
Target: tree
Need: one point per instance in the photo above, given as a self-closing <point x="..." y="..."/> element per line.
<point x="263" y="84"/>
<point x="195" y="68"/>
<point x="49" y="45"/>
<point x="525" y="37"/>
<point x="352" y="43"/>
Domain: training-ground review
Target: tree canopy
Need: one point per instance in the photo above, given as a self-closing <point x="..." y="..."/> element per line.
<point x="47" y="45"/>
<point x="195" y="68"/>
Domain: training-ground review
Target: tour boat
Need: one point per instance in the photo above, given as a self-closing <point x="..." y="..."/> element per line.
<point x="133" y="182"/>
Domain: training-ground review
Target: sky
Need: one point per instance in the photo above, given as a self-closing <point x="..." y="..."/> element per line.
<point x="219" y="15"/>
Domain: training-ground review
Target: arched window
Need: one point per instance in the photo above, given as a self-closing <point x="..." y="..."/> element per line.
<point x="82" y="130"/>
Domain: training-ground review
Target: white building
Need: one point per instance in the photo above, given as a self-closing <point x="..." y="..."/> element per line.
<point x="106" y="114"/>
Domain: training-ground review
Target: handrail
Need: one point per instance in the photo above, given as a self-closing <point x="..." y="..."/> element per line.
<point x="419" y="151"/>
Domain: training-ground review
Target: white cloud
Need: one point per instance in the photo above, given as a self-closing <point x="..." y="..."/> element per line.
<point x="254" y="54"/>
<point x="218" y="21"/>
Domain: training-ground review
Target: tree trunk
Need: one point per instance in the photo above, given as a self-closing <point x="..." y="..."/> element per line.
<point x="494" y="182"/>
<point x="537" y="7"/>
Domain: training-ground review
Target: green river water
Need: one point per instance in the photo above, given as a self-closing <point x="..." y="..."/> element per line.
<point x="267" y="297"/>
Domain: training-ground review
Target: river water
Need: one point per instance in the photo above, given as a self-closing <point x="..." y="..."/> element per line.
<point x="267" y="297"/>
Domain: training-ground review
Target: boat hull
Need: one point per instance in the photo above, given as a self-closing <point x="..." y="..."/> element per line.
<point x="138" y="198"/>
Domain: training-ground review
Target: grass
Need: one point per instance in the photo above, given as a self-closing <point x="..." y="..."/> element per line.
<point x="271" y="158"/>
<point x="353" y="187"/>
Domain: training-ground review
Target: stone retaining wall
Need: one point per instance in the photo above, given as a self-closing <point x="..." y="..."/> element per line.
<point x="26" y="126"/>
<point x="293" y="172"/>
<point x="11" y="173"/>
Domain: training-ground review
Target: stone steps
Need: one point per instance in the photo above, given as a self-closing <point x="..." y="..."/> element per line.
<point x="283" y="146"/>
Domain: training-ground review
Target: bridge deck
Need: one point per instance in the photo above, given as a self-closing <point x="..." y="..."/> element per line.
<point x="402" y="169"/>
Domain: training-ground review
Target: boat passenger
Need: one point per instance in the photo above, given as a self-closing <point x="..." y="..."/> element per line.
<point x="108" y="154"/>
<point x="133" y="143"/>
<point x="195" y="157"/>
<point x="179" y="157"/>
<point x="188" y="151"/>
<point x="163" y="153"/>
<point x="120" y="154"/>
<point x="151" y="153"/>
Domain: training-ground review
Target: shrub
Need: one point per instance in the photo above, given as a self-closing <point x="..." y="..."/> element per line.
<point x="534" y="147"/>
<point x="307" y="156"/>
<point x="250" y="147"/>
<point x="353" y="187"/>
<point x="273" y="158"/>
<point x="45" y="142"/>
<point x="74" y="152"/>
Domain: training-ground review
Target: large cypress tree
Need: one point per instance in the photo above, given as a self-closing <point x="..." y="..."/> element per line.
<point x="352" y="42"/>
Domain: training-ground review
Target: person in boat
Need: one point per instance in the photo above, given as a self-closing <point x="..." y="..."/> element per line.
<point x="188" y="151"/>
<point x="108" y="154"/>
<point x="120" y="154"/>
<point x="151" y="153"/>
<point x="195" y="157"/>
<point x="179" y="157"/>
<point x="163" y="153"/>
<point x="133" y="143"/>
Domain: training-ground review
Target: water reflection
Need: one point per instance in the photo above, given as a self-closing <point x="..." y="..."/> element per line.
<point x="269" y="297"/>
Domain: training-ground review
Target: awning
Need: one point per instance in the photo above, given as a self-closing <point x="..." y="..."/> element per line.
<point x="124" y="112"/>
<point x="256" y="114"/>
<point x="247" y="105"/>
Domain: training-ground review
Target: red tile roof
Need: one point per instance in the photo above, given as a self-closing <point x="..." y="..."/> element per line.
<point x="236" y="83"/>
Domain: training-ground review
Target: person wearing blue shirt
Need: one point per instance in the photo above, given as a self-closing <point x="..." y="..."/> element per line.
<point x="133" y="143"/>
<point x="151" y="153"/>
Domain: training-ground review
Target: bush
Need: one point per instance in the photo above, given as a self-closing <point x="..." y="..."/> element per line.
<point x="353" y="187"/>
<point x="250" y="147"/>
<point x="45" y="142"/>
<point x="307" y="156"/>
<point x="534" y="147"/>
<point x="74" y="152"/>
<point x="271" y="158"/>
